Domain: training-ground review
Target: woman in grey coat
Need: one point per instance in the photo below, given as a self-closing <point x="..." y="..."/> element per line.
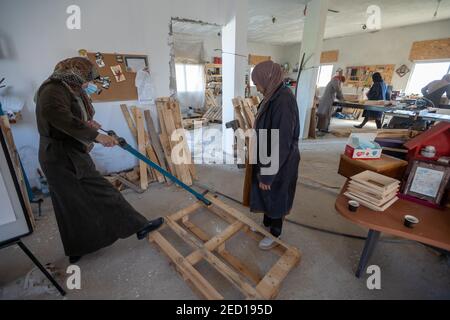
<point x="324" y="112"/>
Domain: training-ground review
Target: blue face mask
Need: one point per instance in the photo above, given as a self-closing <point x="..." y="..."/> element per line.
<point x="91" y="89"/>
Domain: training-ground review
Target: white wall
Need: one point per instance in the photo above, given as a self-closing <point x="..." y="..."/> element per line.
<point x="390" y="46"/>
<point x="34" y="37"/>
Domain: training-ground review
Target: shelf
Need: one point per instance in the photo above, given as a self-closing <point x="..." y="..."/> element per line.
<point x="212" y="65"/>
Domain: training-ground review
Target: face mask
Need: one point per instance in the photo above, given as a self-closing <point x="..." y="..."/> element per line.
<point x="91" y="89"/>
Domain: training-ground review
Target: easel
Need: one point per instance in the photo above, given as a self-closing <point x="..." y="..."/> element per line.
<point x="36" y="262"/>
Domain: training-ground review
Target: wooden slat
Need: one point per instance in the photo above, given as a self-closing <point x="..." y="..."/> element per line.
<point x="243" y="218"/>
<point x="236" y="279"/>
<point x="127" y="183"/>
<point x="175" y="107"/>
<point x="186" y="269"/>
<point x="329" y="56"/>
<point x="186" y="211"/>
<point x="225" y="254"/>
<point x="270" y="284"/>
<point x="129" y="120"/>
<point x="215" y="242"/>
<point x="141" y="146"/>
<point x="154" y="139"/>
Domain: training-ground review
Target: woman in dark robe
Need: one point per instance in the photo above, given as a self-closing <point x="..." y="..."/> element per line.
<point x="273" y="193"/>
<point x="378" y="91"/>
<point x="91" y="214"/>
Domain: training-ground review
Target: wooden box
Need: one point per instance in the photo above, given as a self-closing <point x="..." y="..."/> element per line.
<point x="388" y="166"/>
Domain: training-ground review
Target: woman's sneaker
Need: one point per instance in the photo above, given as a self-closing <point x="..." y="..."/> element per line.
<point x="268" y="243"/>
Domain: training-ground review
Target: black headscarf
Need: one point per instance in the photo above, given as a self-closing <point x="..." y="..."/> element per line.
<point x="376" y="77"/>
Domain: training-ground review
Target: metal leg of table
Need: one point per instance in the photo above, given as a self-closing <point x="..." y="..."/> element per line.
<point x="371" y="242"/>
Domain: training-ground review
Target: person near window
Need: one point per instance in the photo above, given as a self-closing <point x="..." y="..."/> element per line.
<point x="436" y="89"/>
<point x="91" y="214"/>
<point x="378" y="91"/>
<point x="332" y="92"/>
<point x="273" y="194"/>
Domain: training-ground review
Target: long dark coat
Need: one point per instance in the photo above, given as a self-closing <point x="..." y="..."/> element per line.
<point x="378" y="91"/>
<point x="281" y="113"/>
<point x="91" y="214"/>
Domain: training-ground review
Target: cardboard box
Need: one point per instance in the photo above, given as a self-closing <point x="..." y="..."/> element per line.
<point x="362" y="146"/>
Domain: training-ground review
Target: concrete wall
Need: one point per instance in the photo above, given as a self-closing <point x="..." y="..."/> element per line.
<point x="390" y="46"/>
<point x="34" y="37"/>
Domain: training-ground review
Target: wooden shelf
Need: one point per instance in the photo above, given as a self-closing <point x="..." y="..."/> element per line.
<point x="212" y="65"/>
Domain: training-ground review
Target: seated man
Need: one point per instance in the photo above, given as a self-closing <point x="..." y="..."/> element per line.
<point x="436" y="89"/>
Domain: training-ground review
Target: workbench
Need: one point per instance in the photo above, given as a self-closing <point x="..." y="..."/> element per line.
<point x="433" y="229"/>
<point x="398" y="111"/>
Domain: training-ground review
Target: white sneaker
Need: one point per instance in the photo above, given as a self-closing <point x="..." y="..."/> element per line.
<point x="268" y="243"/>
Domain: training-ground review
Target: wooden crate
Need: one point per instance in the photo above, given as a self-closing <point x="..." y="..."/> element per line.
<point x="213" y="250"/>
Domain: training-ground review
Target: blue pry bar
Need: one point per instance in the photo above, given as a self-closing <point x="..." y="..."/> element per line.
<point x="167" y="174"/>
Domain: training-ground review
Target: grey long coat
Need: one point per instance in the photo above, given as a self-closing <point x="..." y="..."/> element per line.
<point x="325" y="110"/>
<point x="280" y="113"/>
<point x="90" y="213"/>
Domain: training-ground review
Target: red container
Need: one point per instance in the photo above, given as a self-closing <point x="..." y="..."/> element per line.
<point x="217" y="60"/>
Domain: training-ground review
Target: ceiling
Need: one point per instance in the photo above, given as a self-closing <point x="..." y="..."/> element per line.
<point x="288" y="27"/>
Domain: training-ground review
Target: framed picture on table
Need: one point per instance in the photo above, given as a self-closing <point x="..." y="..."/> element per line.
<point x="427" y="181"/>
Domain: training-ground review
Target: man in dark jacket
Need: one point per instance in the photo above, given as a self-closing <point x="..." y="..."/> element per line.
<point x="91" y="214"/>
<point x="434" y="91"/>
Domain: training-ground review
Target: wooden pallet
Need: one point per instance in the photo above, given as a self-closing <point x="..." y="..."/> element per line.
<point x="214" y="251"/>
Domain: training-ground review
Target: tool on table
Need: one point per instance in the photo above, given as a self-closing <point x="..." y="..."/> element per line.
<point x="124" y="145"/>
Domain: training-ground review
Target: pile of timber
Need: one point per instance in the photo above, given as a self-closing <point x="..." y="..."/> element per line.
<point x="190" y="123"/>
<point x="156" y="146"/>
<point x="214" y="114"/>
<point x="245" y="111"/>
<point x="210" y="99"/>
<point x="170" y="120"/>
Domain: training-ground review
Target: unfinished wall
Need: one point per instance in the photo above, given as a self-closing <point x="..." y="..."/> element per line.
<point x="391" y="46"/>
<point x="34" y="37"/>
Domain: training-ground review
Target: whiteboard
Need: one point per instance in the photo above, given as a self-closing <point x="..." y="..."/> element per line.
<point x="14" y="221"/>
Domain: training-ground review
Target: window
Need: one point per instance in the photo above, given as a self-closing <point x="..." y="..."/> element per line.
<point x="325" y="74"/>
<point x="424" y="73"/>
<point x="189" y="77"/>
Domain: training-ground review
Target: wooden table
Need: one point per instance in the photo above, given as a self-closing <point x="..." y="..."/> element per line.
<point x="433" y="229"/>
<point x="387" y="165"/>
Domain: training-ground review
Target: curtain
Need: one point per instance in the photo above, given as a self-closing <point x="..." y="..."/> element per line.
<point x="189" y="67"/>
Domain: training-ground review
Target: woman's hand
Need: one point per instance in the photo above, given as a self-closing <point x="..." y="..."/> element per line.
<point x="94" y="124"/>
<point x="264" y="187"/>
<point x="106" y="141"/>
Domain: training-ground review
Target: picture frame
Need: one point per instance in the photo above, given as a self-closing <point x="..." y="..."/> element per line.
<point x="135" y="63"/>
<point x="427" y="181"/>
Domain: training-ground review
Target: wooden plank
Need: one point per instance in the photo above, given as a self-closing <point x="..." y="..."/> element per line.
<point x="186" y="211"/>
<point x="236" y="279"/>
<point x="154" y="139"/>
<point x="329" y="56"/>
<point x="166" y="147"/>
<point x="437" y="49"/>
<point x="187" y="270"/>
<point x="243" y="218"/>
<point x="215" y="242"/>
<point x="127" y="183"/>
<point x="270" y="284"/>
<point x="141" y="147"/>
<point x="129" y="120"/>
<point x="182" y="169"/>
<point x="175" y="107"/>
<point x="225" y="254"/>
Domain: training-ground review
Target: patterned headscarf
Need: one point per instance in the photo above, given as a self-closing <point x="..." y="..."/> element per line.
<point x="73" y="73"/>
<point x="269" y="76"/>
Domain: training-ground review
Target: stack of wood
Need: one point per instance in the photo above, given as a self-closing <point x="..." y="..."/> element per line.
<point x="373" y="190"/>
<point x="173" y="140"/>
<point x="245" y="111"/>
<point x="214" y="114"/>
<point x="148" y="143"/>
<point x="190" y="123"/>
<point x="210" y="99"/>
